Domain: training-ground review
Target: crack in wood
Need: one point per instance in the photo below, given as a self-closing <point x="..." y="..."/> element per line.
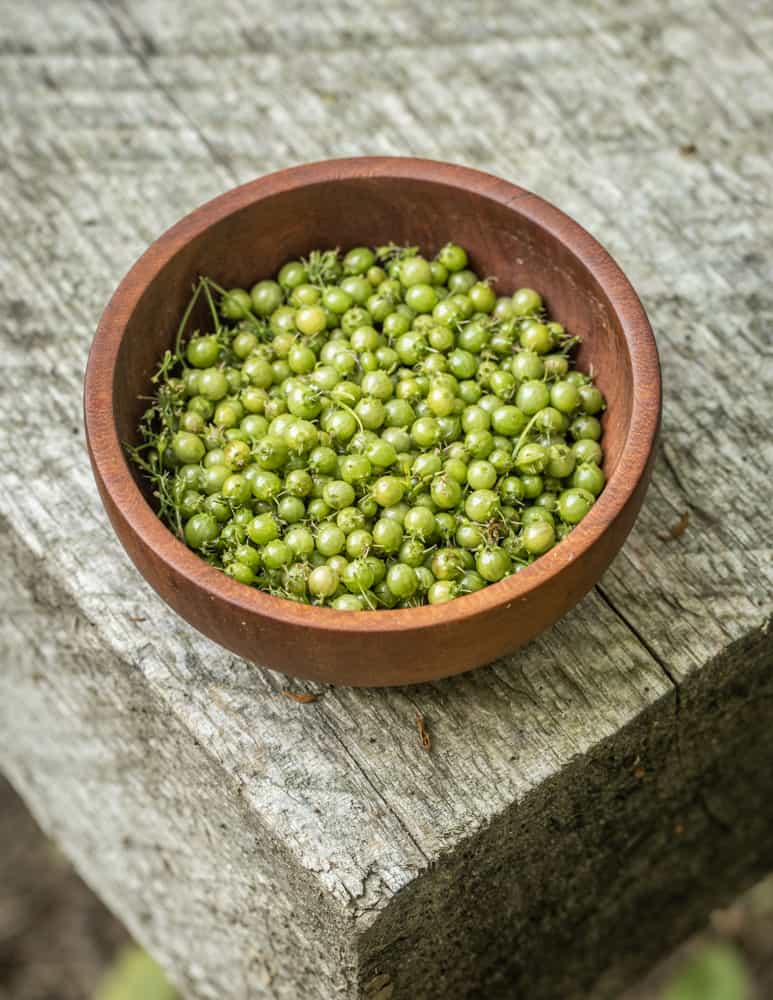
<point x="641" y="640"/>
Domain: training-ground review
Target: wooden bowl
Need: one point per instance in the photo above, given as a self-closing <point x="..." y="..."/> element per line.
<point x="248" y="233"/>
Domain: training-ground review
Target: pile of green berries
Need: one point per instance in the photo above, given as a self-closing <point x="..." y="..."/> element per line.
<point x="372" y="430"/>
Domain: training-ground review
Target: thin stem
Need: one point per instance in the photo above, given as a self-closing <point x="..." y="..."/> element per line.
<point x="524" y="434"/>
<point x="213" y="284"/>
<point x="184" y="321"/>
<point x="344" y="406"/>
<point x="211" y="302"/>
<point x="364" y="595"/>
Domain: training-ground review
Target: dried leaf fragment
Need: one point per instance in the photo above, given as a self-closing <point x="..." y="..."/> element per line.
<point x="304" y="697"/>
<point x="426" y="742"/>
<point x="678" y="530"/>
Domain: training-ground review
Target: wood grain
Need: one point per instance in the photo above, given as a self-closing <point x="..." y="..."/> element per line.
<point x="116" y="121"/>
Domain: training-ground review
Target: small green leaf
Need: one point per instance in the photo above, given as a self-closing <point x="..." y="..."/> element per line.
<point x="716" y="973"/>
<point x="134" y="974"/>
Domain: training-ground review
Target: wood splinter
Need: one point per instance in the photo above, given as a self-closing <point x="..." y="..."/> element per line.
<point x="304" y="697"/>
<point x="426" y="742"/>
<point x="678" y="530"/>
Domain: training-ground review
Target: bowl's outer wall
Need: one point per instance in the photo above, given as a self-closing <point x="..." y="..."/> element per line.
<point x="248" y="234"/>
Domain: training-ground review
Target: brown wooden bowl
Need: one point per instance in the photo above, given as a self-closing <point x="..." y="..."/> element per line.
<point x="248" y="233"/>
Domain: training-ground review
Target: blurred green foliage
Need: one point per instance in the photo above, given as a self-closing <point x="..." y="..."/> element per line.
<point x="135" y="976"/>
<point x="717" y="972"/>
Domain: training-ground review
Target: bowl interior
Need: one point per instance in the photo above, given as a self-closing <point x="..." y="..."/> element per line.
<point x="254" y="241"/>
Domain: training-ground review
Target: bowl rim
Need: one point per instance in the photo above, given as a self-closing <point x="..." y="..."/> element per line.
<point x="116" y="480"/>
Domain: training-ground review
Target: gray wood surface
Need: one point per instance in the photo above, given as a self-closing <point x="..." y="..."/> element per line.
<point x="586" y="801"/>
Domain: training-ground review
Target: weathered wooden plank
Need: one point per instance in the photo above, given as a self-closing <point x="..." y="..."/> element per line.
<point x="493" y="848"/>
<point x="143" y="807"/>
